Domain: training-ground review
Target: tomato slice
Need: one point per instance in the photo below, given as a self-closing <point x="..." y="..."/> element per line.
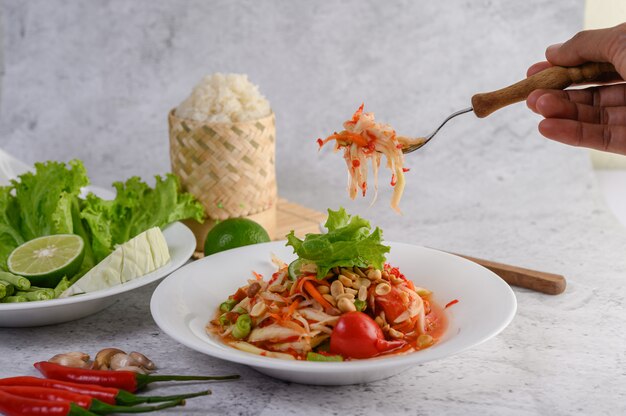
<point x="391" y="303"/>
<point x="356" y="335"/>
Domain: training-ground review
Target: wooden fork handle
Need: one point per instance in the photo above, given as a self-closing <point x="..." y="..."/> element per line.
<point x="556" y="77"/>
<point x="549" y="283"/>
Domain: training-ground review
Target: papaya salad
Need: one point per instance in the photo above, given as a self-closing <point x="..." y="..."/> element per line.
<point x="364" y="139"/>
<point x="339" y="300"/>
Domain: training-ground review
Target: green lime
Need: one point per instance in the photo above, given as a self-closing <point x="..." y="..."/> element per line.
<point x="45" y="260"/>
<point x="233" y="233"/>
<point x="294" y="269"/>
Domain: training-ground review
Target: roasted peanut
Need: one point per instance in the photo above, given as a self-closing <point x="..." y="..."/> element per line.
<point x="336" y="288"/>
<point x="362" y="296"/>
<point x="424" y="340"/>
<point x="382" y="289"/>
<point x="364" y="282"/>
<point x="346" y="281"/>
<point x="374" y="274"/>
<point x="345" y="305"/>
<point x="395" y="334"/>
<point x="351" y="291"/>
<point x="330" y="299"/>
<point x="348" y="296"/>
<point x="258" y="309"/>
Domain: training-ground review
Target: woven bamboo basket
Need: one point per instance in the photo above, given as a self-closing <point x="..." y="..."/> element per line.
<point x="229" y="167"/>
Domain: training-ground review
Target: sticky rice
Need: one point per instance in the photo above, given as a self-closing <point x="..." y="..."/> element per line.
<point x="224" y="98"/>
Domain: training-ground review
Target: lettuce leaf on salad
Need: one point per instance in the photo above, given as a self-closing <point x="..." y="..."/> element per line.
<point x="349" y="242"/>
<point x="47" y="201"/>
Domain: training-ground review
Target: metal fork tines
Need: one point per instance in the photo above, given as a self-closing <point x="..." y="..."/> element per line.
<point x="414" y="147"/>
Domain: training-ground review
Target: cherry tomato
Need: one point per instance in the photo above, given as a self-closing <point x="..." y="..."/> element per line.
<point x="356" y="335"/>
<point x="391" y="303"/>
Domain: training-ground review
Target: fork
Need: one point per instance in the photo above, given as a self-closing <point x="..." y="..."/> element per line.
<point x="556" y="77"/>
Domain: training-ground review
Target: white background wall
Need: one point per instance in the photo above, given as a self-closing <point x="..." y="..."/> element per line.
<point x="95" y="80"/>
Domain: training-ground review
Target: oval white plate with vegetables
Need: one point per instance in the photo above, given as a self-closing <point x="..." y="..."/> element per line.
<point x="345" y="308"/>
<point x="67" y="252"/>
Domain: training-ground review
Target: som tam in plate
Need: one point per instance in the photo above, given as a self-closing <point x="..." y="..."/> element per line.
<point x="185" y="301"/>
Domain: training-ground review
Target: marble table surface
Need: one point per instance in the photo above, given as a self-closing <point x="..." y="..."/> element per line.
<point x="491" y="188"/>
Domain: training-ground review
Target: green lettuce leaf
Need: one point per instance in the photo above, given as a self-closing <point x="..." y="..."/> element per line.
<point x="136" y="208"/>
<point x="47" y="201"/>
<point x="45" y="197"/>
<point x="347" y="243"/>
<point x="10" y="235"/>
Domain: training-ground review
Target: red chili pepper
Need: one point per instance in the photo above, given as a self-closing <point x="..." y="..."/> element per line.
<point x="108" y="395"/>
<point x="12" y="405"/>
<point x="125" y="380"/>
<point x="55" y="396"/>
<point x="320" y="142"/>
<point x="452" y="302"/>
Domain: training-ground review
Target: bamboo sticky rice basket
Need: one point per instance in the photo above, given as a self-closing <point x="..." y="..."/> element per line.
<point x="229" y="167"/>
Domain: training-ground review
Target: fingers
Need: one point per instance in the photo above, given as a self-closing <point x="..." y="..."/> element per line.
<point x="610" y="138"/>
<point x="553" y="106"/>
<point x="538" y="67"/>
<point x="585" y="96"/>
<point x="602" y="45"/>
<point x="606" y="96"/>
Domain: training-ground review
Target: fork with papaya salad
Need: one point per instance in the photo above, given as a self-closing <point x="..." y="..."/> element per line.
<point x="339" y="300"/>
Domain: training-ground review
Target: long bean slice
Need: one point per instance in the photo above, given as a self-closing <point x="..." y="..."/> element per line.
<point x="61" y="287"/>
<point x="13" y="299"/>
<point x="20" y="283"/>
<point x="40" y="294"/>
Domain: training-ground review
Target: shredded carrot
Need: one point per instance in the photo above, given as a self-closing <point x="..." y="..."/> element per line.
<point x="316" y="295"/>
<point x="276" y="316"/>
<point x="292" y="308"/>
<point x="451" y="303"/>
<point x="347" y="136"/>
<point x="306" y="278"/>
<point x="257" y="275"/>
<point x="301" y="281"/>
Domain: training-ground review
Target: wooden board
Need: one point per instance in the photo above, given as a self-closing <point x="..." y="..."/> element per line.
<point x="292" y="216"/>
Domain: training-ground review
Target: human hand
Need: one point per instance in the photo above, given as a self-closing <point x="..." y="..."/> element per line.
<point x="593" y="117"/>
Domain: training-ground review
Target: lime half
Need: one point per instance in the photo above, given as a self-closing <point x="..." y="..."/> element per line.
<point x="45" y="260"/>
<point x="233" y="233"/>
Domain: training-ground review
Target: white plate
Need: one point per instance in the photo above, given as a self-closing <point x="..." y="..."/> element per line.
<point x="181" y="244"/>
<point x="184" y="302"/>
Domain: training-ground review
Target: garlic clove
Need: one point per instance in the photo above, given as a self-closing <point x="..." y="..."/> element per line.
<point x="103" y="358"/>
<point x="122" y="360"/>
<point x="78" y="354"/>
<point x="143" y="361"/>
<point x="76" y="360"/>
<point x="133" y="368"/>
